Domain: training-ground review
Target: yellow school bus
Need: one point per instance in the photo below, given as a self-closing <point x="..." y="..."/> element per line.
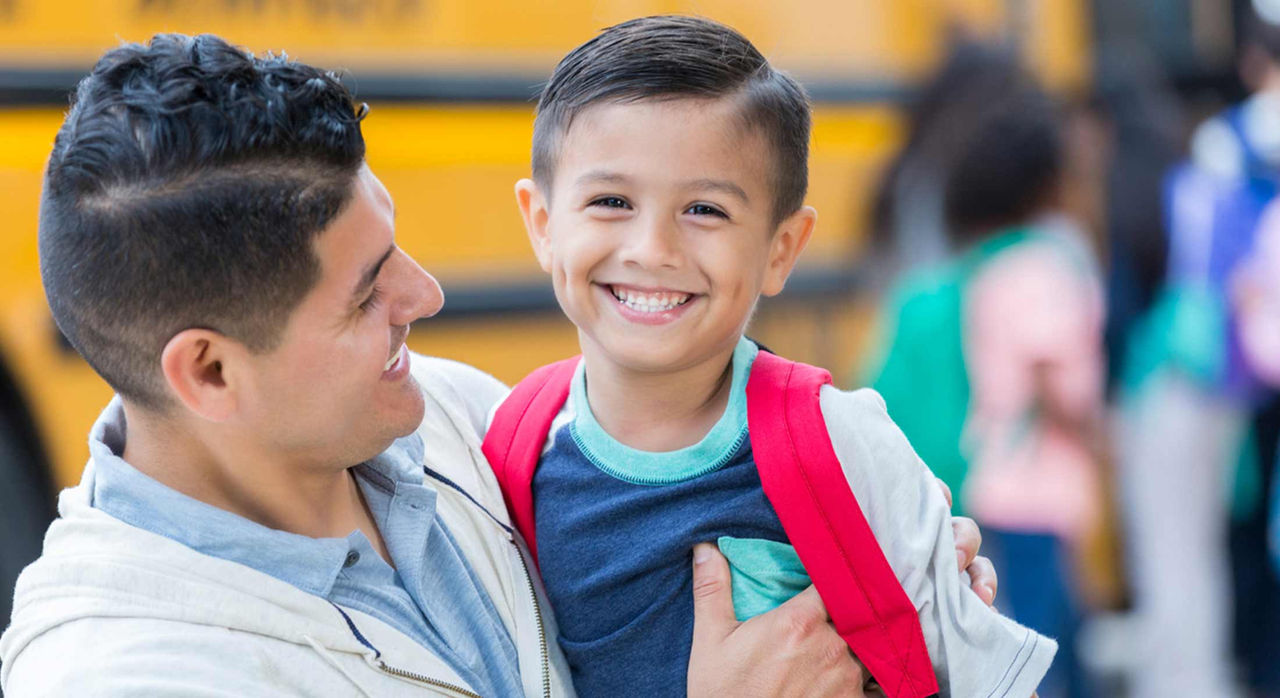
<point x="451" y="84"/>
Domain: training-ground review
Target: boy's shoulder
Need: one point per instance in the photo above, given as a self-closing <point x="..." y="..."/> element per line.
<point x="860" y="401"/>
<point x="872" y="451"/>
<point x="858" y="420"/>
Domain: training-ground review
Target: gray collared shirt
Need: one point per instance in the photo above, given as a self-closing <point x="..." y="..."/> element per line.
<point x="431" y="594"/>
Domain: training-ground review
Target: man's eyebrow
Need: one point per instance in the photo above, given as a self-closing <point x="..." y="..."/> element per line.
<point x="371" y="273"/>
<point x="720" y="185"/>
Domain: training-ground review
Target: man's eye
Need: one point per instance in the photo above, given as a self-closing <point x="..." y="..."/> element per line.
<point x="706" y="210"/>
<point x="611" y="202"/>
<point x="372" y="301"/>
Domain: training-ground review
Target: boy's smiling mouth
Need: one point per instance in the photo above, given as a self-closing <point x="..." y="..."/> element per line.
<point x="648" y="301"/>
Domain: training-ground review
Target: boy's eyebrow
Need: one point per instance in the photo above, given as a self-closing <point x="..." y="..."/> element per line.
<point x="720" y="185"/>
<point x="371" y="273"/>
<point x="605" y="176"/>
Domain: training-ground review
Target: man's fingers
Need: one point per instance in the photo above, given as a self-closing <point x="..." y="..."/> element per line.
<point x="807" y="604"/>
<point x="968" y="539"/>
<point x="713" y="616"/>
<point x="946" y="490"/>
<point x="801" y="619"/>
<point x="983" y="575"/>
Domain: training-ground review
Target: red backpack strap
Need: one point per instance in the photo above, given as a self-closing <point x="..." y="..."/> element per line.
<point x="513" y="443"/>
<point x="806" y="486"/>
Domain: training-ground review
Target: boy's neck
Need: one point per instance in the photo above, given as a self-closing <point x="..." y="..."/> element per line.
<point x="658" y="411"/>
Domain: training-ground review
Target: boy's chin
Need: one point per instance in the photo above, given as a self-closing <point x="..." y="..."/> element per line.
<point x="639" y="356"/>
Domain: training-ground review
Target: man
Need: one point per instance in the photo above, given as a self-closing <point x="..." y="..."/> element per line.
<point x="282" y="499"/>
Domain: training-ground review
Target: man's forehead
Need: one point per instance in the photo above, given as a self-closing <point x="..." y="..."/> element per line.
<point x="359" y="239"/>
<point x="379" y="190"/>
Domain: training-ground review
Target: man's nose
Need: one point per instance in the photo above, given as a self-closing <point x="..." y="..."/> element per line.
<point x="418" y="293"/>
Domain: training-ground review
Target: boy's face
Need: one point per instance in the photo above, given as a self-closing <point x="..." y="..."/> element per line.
<point x="658" y="232"/>
<point x="338" y="387"/>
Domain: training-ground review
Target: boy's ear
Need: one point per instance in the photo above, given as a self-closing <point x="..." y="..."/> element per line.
<point x="533" y="209"/>
<point x="201" y="369"/>
<point x="788" y="242"/>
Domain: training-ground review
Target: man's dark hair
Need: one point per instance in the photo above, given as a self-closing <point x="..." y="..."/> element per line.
<point x="672" y="57"/>
<point x="185" y="190"/>
<point x="1009" y="168"/>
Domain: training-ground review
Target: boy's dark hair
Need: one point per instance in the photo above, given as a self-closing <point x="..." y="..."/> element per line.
<point x="672" y="57"/>
<point x="185" y="189"/>
<point x="1010" y="167"/>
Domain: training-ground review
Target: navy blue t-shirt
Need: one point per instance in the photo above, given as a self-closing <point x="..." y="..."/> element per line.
<point x="616" y="528"/>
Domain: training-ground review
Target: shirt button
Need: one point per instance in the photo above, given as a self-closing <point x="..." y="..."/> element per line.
<point x="352" y="558"/>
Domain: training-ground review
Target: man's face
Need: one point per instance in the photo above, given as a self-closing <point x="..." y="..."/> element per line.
<point x="337" y="388"/>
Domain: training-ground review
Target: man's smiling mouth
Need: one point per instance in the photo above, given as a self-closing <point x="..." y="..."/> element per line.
<point x="394" y="358"/>
<point x="401" y="334"/>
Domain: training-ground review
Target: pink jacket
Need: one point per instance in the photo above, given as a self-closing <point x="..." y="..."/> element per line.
<point x="1036" y="304"/>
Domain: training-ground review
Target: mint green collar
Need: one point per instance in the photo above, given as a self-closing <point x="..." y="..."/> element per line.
<point x="666" y="467"/>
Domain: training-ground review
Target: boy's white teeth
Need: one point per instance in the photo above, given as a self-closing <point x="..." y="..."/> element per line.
<point x="649" y="302"/>
<point x="392" y="361"/>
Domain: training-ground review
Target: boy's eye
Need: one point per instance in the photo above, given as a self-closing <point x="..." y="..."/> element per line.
<point x="610" y="202"/>
<point x="706" y="210"/>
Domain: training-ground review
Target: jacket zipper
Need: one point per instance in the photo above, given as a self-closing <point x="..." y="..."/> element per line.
<point x="401" y="673"/>
<point x="533" y="598"/>
<point x="542" y="632"/>
<point x="542" y="646"/>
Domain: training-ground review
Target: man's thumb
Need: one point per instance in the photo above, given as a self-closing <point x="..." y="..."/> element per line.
<point x="713" y="617"/>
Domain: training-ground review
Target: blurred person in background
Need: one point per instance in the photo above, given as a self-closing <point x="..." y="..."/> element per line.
<point x="908" y="228"/>
<point x="1145" y="125"/>
<point x="1032" y="320"/>
<point x="1255" y="290"/>
<point x="1012" y="329"/>
<point x="920" y="368"/>
<point x="1193" y="425"/>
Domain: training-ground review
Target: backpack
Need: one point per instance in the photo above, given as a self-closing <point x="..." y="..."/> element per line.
<point x="804" y="483"/>
<point x="921" y="369"/>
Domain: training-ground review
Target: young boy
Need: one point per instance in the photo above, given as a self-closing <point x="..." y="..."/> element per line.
<point x="669" y="172"/>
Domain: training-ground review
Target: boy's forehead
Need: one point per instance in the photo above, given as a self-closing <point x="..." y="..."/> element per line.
<point x="606" y="139"/>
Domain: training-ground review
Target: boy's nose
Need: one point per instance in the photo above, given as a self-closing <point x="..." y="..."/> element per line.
<point x="419" y="293"/>
<point x="653" y="244"/>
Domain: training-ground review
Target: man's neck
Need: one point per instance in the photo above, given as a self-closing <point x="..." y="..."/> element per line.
<point x="314" y="500"/>
<point x="658" y="410"/>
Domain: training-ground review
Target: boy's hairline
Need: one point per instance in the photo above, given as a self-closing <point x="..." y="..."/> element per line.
<point x="545" y="182"/>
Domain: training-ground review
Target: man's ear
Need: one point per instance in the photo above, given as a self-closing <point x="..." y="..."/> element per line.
<point x="533" y="209"/>
<point x="200" y="368"/>
<point x="788" y="242"/>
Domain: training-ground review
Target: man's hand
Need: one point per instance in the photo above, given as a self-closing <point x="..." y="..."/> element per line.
<point x="792" y="650"/>
<point x="982" y="574"/>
